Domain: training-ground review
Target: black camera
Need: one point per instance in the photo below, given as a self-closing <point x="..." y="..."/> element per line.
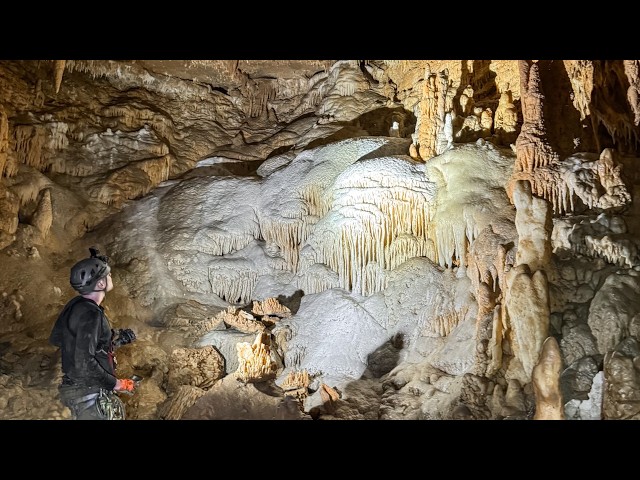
<point x="121" y="336"/>
<point x="95" y="253"/>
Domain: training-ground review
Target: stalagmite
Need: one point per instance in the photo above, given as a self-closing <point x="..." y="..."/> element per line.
<point x="546" y="382"/>
<point x="9" y="208"/>
<point x="506" y="119"/>
<point x="271" y="307"/>
<point x="534" y="225"/>
<point x="296" y="384"/>
<point x="526" y="307"/>
<point x="255" y="363"/>
<point x="526" y="312"/>
<point x="632" y="69"/>
<point x="43" y="216"/>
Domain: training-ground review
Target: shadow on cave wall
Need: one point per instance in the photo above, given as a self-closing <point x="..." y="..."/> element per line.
<point x="486" y="95"/>
<point x="376" y="123"/>
<point x="567" y="134"/>
<point x="483" y="82"/>
<point x="358" y="395"/>
<point x="610" y="108"/>
<point x="245" y="168"/>
<point x="384" y="358"/>
<point x="292" y="302"/>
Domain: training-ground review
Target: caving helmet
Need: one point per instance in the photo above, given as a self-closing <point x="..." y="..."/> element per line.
<point x="86" y="273"/>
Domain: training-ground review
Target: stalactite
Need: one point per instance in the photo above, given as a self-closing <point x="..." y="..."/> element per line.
<point x="30" y="140"/>
<point x="376" y="223"/>
<point x="317" y="278"/>
<point x="38" y="94"/>
<point x="59" y="165"/>
<point x="58" y="72"/>
<point x="4" y="142"/>
<point x="579" y="178"/>
<point x="288" y="235"/>
<point x="96" y="68"/>
<point x="316" y="200"/>
<point x="444" y="324"/>
<point x="232" y="67"/>
<point x="259" y="96"/>
<point x="580" y="73"/>
<point x="132" y="181"/>
<point x="346" y="89"/>
<point x="287" y="88"/>
<point x="158" y="170"/>
<point x="532" y="146"/>
<point x="616" y="251"/>
<point x="435" y="104"/>
<point x="232" y="285"/>
<point x="57" y="136"/>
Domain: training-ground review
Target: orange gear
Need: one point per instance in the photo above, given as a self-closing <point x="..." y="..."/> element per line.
<point x="127" y="385"/>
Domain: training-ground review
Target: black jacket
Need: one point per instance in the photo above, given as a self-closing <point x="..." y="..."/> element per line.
<point x="83" y="333"/>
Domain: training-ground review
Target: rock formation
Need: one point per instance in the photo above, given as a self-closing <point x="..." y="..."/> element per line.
<point x="422" y="238"/>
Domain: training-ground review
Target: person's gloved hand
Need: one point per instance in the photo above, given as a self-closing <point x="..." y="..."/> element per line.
<point x="124" y="385"/>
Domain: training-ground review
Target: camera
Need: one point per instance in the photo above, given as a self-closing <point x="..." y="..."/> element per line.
<point x="122" y="336"/>
<point x="95" y="253"/>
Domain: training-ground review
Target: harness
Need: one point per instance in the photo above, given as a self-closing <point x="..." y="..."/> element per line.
<point x="107" y="403"/>
<point x="110" y="406"/>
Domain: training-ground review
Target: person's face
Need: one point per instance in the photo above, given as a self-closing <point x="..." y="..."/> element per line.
<point x="106" y="283"/>
<point x="109" y="282"/>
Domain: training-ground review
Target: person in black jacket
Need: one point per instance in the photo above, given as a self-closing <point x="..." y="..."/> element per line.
<point x="87" y="343"/>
